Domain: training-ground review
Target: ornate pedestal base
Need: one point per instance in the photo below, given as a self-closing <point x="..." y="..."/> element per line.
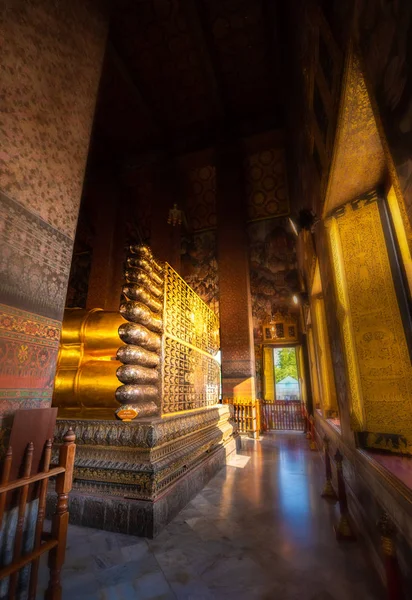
<point x="135" y="477"/>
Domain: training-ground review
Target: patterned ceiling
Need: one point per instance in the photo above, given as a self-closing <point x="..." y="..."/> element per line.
<point x="177" y="71"/>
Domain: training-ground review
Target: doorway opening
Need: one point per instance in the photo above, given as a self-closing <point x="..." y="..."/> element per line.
<point x="283" y="406"/>
<point x="287" y="385"/>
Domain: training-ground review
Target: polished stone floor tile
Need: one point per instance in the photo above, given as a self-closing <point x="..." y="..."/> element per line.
<point x="258" y="531"/>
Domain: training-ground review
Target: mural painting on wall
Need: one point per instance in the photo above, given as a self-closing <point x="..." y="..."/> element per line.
<point x="273" y="270"/>
<point x="385" y="33"/>
<point x="199" y="267"/>
<point x="199" y="262"/>
<point x="266" y="184"/>
<point x="200" y="204"/>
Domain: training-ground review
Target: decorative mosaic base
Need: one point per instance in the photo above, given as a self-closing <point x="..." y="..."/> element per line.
<point x="135" y="477"/>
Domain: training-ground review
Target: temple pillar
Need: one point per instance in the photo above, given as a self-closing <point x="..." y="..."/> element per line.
<point x="236" y="328"/>
<point x="52" y="57"/>
<point x="305" y="373"/>
<point x="324" y="362"/>
<point x="108" y="255"/>
<point x="335" y="336"/>
<point x="165" y="238"/>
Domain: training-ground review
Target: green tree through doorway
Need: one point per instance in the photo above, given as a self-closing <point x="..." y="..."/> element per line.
<point x="285" y="363"/>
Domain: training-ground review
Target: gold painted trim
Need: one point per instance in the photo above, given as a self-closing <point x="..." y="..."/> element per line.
<point x="401" y="233"/>
<point x="358" y="159"/>
<point x="189" y="411"/>
<point x="324" y="362"/>
<point x="353" y="54"/>
<point x="357" y="411"/>
<point x="390" y="163"/>
<point x="312" y="365"/>
<point x="339" y="128"/>
<point x="269" y="384"/>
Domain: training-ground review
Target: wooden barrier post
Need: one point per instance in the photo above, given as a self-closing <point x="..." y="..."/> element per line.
<point x="60" y="520"/>
<point x="40" y="519"/>
<point x="328" y="491"/>
<point x="258" y="417"/>
<point x="393" y="577"/>
<point x="253" y="421"/>
<point x="307" y="421"/>
<point x="264" y="416"/>
<point x="312" y="443"/>
<point x="4" y="480"/>
<point x="343" y="529"/>
<point x="18" y="539"/>
<point x="55" y="543"/>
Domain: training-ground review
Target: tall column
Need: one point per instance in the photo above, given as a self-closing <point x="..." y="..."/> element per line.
<point x="238" y="359"/>
<point x="165" y="239"/>
<point x="306" y="374"/>
<point x="50" y="67"/>
<point x="108" y="254"/>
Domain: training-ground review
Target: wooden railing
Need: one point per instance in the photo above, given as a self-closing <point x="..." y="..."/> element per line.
<point x="36" y="485"/>
<point x="247" y="415"/>
<point x="284" y="415"/>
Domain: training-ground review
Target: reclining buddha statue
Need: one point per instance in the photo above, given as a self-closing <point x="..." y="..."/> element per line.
<point x="140" y="387"/>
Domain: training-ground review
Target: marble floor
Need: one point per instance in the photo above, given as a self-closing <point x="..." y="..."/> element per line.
<point x="259" y="530"/>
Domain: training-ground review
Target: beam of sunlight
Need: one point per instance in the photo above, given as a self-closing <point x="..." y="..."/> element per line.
<point x="238" y="461"/>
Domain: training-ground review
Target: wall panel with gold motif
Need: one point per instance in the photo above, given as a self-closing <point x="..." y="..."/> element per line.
<point x="377" y="355"/>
